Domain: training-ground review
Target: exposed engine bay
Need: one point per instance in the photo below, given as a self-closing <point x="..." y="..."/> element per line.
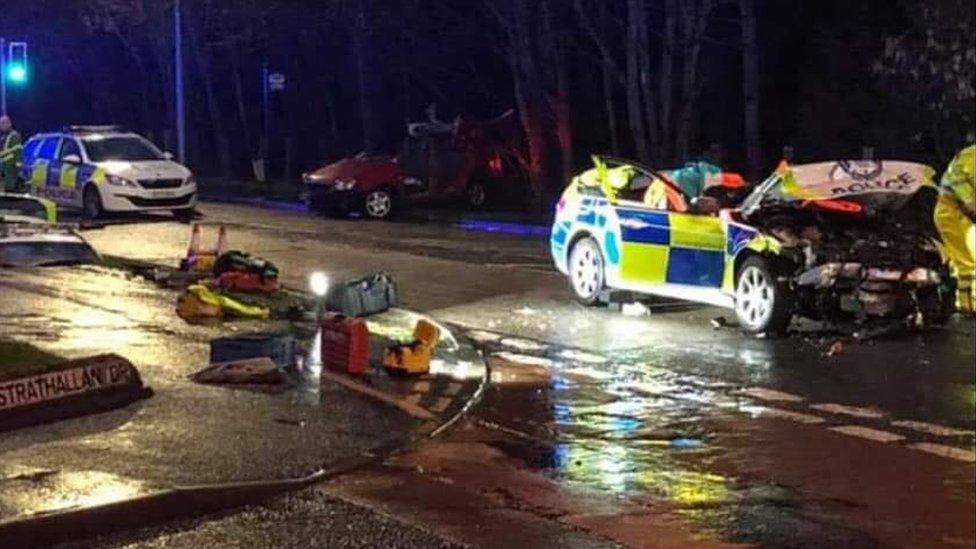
<point x="847" y="261"/>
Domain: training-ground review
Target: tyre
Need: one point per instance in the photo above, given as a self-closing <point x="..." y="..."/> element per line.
<point x="91" y="203"/>
<point x="587" y="276"/>
<point x="763" y="304"/>
<point x="476" y="195"/>
<point x="379" y="204"/>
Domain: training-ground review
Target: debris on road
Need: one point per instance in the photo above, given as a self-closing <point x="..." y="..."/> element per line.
<point x="199" y="302"/>
<point x="635" y="309"/>
<point x="719" y="322"/>
<point x="280" y="348"/>
<point x="251" y="371"/>
<point x="835" y="349"/>
<point x="413" y="358"/>
<point x="345" y="344"/>
<point x="366" y="296"/>
<point x="198" y="260"/>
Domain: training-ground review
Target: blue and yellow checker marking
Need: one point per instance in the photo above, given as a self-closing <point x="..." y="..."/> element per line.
<point x="671" y="248"/>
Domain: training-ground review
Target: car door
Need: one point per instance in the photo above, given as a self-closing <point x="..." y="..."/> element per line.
<point x="663" y="244"/>
<point x="645" y="232"/>
<point x="41" y="169"/>
<point x="69" y="162"/>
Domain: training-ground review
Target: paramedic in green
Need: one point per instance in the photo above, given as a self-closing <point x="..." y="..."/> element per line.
<point x="11" y="154"/>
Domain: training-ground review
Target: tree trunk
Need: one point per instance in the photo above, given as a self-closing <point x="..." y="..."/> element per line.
<point x="239" y="98"/>
<point x="750" y="87"/>
<point x="360" y="43"/>
<point x="695" y="19"/>
<point x="221" y="140"/>
<point x="610" y="108"/>
<point x="634" y="112"/>
<point x="647" y="91"/>
<point x="559" y="100"/>
<point x="666" y="79"/>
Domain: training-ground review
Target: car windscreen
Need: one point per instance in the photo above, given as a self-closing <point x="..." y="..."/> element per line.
<point x="41" y="254"/>
<point x="123" y="148"/>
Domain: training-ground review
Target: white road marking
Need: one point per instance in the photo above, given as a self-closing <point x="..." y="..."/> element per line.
<point x="951" y="452"/>
<point x="770" y="395"/>
<point x="523" y="344"/>
<point x="786" y="414"/>
<point x="932" y="429"/>
<point x="524" y="359"/>
<point x="853" y="411"/>
<point x="483" y="337"/>
<point x="580" y="356"/>
<point x="864" y="432"/>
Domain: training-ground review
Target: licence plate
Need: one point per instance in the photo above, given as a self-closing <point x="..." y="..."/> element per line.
<point x="163" y="194"/>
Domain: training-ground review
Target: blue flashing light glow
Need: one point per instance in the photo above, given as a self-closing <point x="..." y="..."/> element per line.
<point x="503" y="228"/>
<point x="17" y="73"/>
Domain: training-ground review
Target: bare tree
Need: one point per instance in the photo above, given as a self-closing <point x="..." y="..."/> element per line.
<point x="750" y="86"/>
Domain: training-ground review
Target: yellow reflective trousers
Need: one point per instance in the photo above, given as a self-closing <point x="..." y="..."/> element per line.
<point x="959" y="245"/>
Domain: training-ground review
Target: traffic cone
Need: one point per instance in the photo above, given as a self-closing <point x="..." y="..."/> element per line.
<point x="194" y="248"/>
<point x="221" y="247"/>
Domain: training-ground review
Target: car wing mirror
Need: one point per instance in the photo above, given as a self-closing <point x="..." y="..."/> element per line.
<point x="168" y="155"/>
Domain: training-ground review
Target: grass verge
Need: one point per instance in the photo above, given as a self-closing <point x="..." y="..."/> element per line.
<point x="23" y="359"/>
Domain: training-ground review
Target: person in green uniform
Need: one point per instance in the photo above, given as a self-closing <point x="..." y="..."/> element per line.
<point x="11" y="154"/>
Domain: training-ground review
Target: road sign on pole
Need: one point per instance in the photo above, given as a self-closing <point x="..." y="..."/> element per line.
<point x="276" y="81"/>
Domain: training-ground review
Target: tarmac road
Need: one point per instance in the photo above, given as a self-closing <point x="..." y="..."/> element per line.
<point x="647" y="431"/>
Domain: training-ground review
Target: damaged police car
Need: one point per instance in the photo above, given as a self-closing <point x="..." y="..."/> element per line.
<point x="846" y="241"/>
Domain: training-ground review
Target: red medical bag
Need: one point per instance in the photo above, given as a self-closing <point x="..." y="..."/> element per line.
<point x="345" y="344"/>
<point x="239" y="281"/>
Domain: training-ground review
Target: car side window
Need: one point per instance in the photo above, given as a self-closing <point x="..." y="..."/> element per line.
<point x="49" y="148"/>
<point x="30" y="149"/>
<point x="69" y="147"/>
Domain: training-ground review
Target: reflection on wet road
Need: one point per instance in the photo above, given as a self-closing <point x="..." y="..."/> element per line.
<point x="656" y="424"/>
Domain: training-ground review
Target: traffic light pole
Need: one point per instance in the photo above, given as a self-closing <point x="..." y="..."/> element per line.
<point x="178" y="82"/>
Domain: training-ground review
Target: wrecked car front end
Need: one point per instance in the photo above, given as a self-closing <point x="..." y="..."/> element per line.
<point x="858" y="241"/>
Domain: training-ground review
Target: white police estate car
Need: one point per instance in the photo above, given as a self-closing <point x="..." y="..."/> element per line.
<point x="104" y="169"/>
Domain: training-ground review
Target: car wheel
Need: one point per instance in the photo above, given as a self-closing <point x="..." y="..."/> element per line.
<point x="763" y="304"/>
<point x="379" y="204"/>
<point x="477" y="196"/>
<point x="91" y="203"/>
<point x="587" y="276"/>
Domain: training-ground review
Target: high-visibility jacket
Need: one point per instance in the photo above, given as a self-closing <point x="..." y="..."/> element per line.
<point x="959" y="177"/>
<point x="11" y="148"/>
<point x="955" y="214"/>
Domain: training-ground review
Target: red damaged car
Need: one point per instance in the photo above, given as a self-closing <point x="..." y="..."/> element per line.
<point x="437" y="162"/>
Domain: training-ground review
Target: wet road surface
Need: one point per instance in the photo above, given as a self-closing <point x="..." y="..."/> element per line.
<point x="187" y="433"/>
<point x="647" y="431"/>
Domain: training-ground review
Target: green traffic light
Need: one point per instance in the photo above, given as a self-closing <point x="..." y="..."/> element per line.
<point x="17" y="73"/>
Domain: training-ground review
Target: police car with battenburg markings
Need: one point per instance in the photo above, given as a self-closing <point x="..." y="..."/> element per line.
<point x="106" y="169"/>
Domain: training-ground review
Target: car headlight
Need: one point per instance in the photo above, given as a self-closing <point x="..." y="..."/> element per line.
<point x="119" y="181"/>
<point x="346" y="185"/>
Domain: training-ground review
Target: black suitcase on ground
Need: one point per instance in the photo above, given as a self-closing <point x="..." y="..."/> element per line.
<point x="363" y="297"/>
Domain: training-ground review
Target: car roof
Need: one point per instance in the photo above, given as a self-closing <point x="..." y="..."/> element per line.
<point x="87" y="131"/>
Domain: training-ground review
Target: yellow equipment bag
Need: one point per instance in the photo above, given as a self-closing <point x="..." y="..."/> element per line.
<point x="200" y="302"/>
<point x="413" y="358"/>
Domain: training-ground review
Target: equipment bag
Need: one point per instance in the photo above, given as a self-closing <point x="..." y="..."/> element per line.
<point x="363" y="297"/>
<point x="239" y="261"/>
<point x="253" y="283"/>
<point x="345" y="344"/>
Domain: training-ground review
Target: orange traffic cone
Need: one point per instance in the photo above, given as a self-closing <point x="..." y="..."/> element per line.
<point x="194" y="248"/>
<point x="221" y="247"/>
